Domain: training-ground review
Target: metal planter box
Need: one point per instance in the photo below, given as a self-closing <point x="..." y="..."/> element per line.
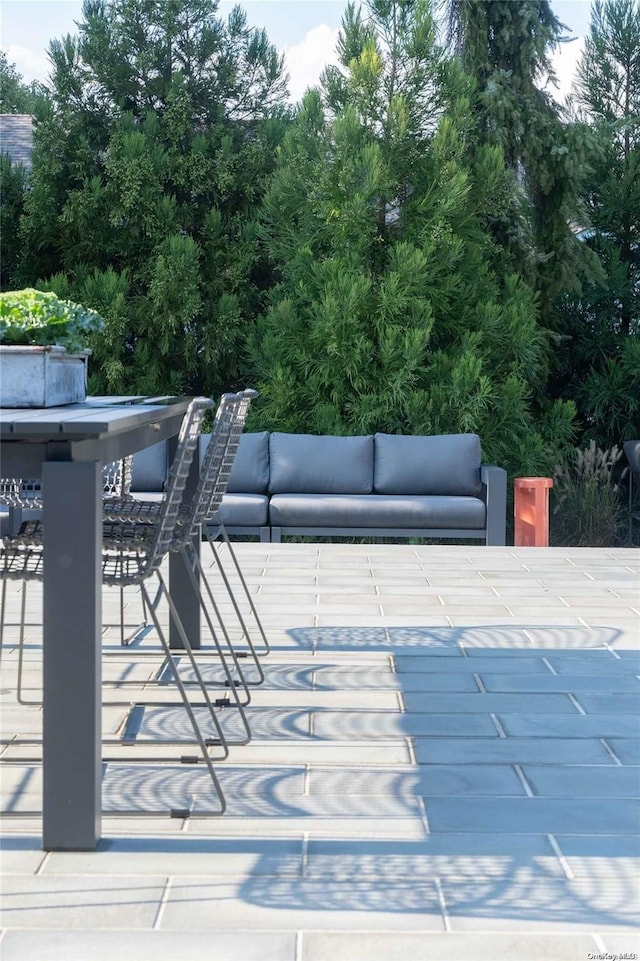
<point x="42" y="376"/>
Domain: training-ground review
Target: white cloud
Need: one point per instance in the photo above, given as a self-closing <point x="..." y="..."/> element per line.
<point x="30" y="64"/>
<point x="306" y="60"/>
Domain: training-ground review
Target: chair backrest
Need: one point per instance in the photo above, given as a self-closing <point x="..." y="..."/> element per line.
<point x="169" y="512"/>
<point x="218" y="459"/>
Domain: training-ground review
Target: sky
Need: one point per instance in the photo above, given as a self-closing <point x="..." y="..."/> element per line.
<point x="304" y="30"/>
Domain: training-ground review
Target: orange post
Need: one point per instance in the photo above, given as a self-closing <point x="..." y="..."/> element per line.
<point x="531" y="511"/>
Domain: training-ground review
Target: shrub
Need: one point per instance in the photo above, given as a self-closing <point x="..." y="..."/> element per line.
<point x="588" y="509"/>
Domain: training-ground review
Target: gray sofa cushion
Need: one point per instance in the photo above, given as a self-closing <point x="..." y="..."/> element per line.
<point x="244" y="510"/>
<point x="439" y="464"/>
<point x="376" y="510"/>
<point x="250" y="471"/>
<point x="150" y="467"/>
<point x="308" y="464"/>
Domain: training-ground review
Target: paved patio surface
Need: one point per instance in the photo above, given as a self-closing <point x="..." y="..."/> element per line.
<point x="445" y="766"/>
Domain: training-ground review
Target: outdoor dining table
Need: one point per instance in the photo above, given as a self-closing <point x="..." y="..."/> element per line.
<point x="67" y="447"/>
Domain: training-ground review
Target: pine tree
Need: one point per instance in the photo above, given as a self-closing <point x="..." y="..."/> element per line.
<point x="602" y="357"/>
<point x="505" y="46"/>
<point x="148" y="167"/>
<point x="388" y="313"/>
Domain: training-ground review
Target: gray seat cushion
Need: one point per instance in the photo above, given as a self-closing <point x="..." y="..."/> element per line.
<point x="150" y="468"/>
<point x="439" y="464"/>
<point x="244" y="510"/>
<point x="376" y="510"/>
<point x="308" y="464"/>
<point x="250" y="471"/>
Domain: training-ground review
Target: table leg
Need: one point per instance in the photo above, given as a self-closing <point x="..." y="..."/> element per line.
<point x="72" y="619"/>
<point x="182" y="593"/>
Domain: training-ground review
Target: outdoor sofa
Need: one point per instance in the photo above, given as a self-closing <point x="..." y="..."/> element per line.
<point x="382" y="485"/>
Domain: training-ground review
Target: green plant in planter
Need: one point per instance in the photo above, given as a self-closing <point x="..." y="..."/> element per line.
<point x="36" y="317"/>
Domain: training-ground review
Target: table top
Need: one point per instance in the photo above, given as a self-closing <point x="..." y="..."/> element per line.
<point x="94" y="418"/>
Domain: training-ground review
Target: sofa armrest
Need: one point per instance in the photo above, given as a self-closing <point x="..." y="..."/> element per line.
<point x="494" y="494"/>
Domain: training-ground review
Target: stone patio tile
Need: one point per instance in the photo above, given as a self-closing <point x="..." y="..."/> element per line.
<point x="436" y="779"/>
<point x="182" y="856"/>
<point x="324" y="806"/>
<point x="318" y="751"/>
<point x="288" y="905"/>
<point x="451" y="946"/>
<point x="588" y="781"/>
<point x="436" y="855"/>
<point x="626" y="749"/>
<point x="564" y="725"/>
<point x="503" y="664"/>
<point x="375" y="724"/>
<point x="337" y="680"/>
<point x="364" y="698"/>
<point x="480" y="703"/>
<point x="511" y="750"/>
<point x="596" y="856"/>
<point x="620" y="943"/>
<point x="576" y="683"/>
<point x="389" y="620"/>
<point x="533" y="815"/>
<point x="437" y="682"/>
<point x="20" y="855"/>
<point x="559" y="619"/>
<point x="590" y="663"/>
<point x="333" y="826"/>
<point x="557" y="905"/>
<point x="84" y="903"/>
<point x="193" y="945"/>
<point x="611" y="704"/>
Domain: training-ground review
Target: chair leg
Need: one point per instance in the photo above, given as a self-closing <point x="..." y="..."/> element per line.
<point x="170" y="659"/>
<point x="201" y="683"/>
<point x="23" y="613"/>
<point x="193" y="564"/>
<point x="204" y="747"/>
<point x="243" y="624"/>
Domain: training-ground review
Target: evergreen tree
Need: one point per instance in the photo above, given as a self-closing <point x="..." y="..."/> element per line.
<point x="602" y="357"/>
<point x="148" y="166"/>
<point x="389" y="314"/>
<point x="505" y="46"/>
<point x="16" y="96"/>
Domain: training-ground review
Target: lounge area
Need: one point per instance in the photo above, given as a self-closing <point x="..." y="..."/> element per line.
<point x="444" y="765"/>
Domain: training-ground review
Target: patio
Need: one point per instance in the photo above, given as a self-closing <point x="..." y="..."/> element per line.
<point x="445" y="766"/>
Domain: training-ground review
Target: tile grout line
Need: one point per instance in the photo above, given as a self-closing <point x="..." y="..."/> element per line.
<point x="564" y="864"/>
<point x="600" y="943"/>
<point x="610" y="751"/>
<point x="498" y="726"/>
<point x="523" y="780"/>
<point x="576" y="703"/>
<point x="443" y="905"/>
<point x="163" y="903"/>
<point x="42" y="864"/>
<point x="612" y="651"/>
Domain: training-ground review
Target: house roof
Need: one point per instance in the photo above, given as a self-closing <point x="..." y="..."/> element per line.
<point x="16" y="137"/>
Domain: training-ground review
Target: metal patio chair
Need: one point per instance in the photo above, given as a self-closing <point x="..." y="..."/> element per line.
<point x="131" y="558"/>
<point x="25" y="494"/>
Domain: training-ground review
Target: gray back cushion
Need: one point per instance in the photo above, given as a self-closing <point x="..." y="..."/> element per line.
<point x="250" y="471"/>
<point x="440" y="464"/>
<point x="306" y="464"/>
<point x="632" y="450"/>
<point x="150" y="467"/>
